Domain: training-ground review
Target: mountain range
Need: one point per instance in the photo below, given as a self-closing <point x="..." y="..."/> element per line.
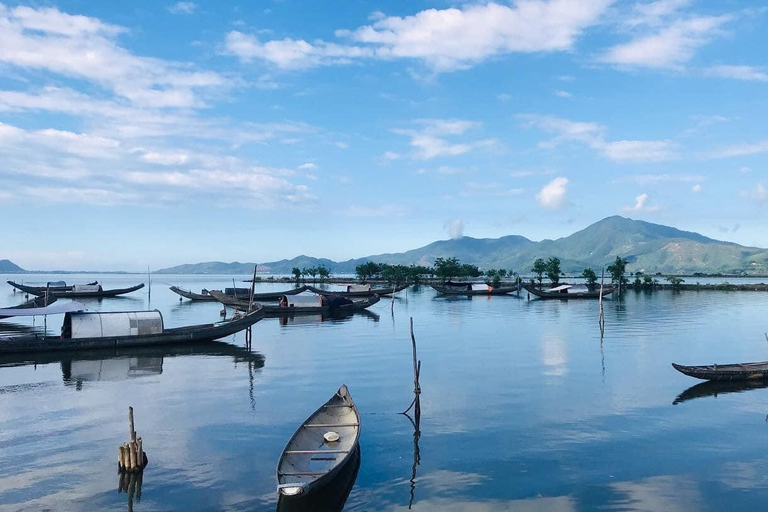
<point x="648" y="247"/>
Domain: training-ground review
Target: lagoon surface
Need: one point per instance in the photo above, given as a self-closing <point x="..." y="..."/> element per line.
<point x="523" y="407"/>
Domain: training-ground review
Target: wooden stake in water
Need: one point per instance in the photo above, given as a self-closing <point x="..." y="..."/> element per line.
<point x="131" y="456"/>
<point x="601" y="316"/>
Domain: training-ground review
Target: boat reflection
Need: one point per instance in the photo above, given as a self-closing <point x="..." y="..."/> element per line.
<point x="327" y="317"/>
<point x="328" y="498"/>
<point x="714" y="388"/>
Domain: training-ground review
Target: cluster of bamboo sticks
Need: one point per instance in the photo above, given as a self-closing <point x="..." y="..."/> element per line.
<point x="131" y="456"/>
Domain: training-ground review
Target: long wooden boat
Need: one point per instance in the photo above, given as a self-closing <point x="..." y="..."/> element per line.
<point x="321" y="447"/>
<point x="92" y="330"/>
<point x="718" y="387"/>
<point x="564" y="292"/>
<point x="352" y="292"/>
<point x="78" y="291"/>
<point x="53" y="286"/>
<point x="36" y="303"/>
<point x="297" y="305"/>
<point x="723" y="372"/>
<point x="473" y="289"/>
<point x="239" y="298"/>
<point x="205" y="296"/>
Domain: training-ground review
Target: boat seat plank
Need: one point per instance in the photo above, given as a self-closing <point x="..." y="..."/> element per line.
<point x="327" y="406"/>
<point x="327" y="425"/>
<point x="302" y="473"/>
<point x="315" y="451"/>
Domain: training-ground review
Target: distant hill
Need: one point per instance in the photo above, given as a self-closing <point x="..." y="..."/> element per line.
<point x="648" y="247"/>
<point x="9" y="267"/>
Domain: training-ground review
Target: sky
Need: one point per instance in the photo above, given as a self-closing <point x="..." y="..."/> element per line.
<point x="150" y="134"/>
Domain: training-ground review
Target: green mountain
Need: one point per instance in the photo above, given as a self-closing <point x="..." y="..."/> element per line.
<point x="9" y="267"/>
<point x="648" y="247"/>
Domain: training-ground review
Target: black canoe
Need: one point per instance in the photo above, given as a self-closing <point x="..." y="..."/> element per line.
<point x="73" y="294"/>
<point x="359" y="293"/>
<point x="37" y="302"/>
<point x="197" y="297"/>
<point x="206" y="295"/>
<point x="739" y="371"/>
<point x="566" y="294"/>
<point x="330" y="303"/>
<point x="452" y="289"/>
<point x="320" y="448"/>
<point x="189" y="334"/>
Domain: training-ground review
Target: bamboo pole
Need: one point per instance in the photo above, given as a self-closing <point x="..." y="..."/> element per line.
<point x="253" y="287"/>
<point x="132" y="431"/>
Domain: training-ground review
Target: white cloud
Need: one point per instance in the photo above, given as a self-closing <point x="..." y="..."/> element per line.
<point x="593" y="135"/>
<point x="669" y="47"/>
<point x="90" y="196"/>
<point x="391" y="156"/>
<point x="563" y="94"/>
<point x="696" y="188"/>
<point x="429" y="140"/>
<point x="85" y="48"/>
<point x="654" y="179"/>
<point x="654" y="13"/>
<point x="759" y="193"/>
<point x="455" y="228"/>
<point x="554" y="195"/>
<point x="309" y="166"/>
<point x="183" y="8"/>
<point x="503" y="96"/>
<point x="641" y="205"/>
<point x="747" y="73"/>
<point x="443" y="39"/>
<point x="745" y="169"/>
<point x="739" y="150"/>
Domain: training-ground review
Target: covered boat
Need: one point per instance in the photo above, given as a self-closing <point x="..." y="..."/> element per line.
<point x="91" y="330"/>
<point x="320" y="448"/>
<point x="303" y="304"/>
<point x="53" y="286"/>
<point x="567" y="291"/>
<point x="359" y="290"/>
<point x="454" y="288"/>
<point x="722" y="372"/>
<point x="78" y="291"/>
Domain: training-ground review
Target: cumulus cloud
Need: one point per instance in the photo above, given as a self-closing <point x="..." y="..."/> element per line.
<point x="742" y="149"/>
<point x="443" y="39"/>
<point x="455" y="228"/>
<point x="759" y="193"/>
<point x="46" y="39"/>
<point x="554" y="195"/>
<point x="429" y="140"/>
<point x="309" y="166"/>
<point x="563" y="94"/>
<point x="594" y="136"/>
<point x="183" y="8"/>
<point x="696" y="188"/>
<point x="641" y="205"/>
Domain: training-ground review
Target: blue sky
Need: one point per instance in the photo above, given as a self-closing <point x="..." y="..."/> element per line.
<point x="139" y="134"/>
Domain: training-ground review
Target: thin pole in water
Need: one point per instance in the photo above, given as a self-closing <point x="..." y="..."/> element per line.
<point x="149" y="289"/>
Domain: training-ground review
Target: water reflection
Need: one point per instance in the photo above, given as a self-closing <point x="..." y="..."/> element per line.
<point x="130" y="483"/>
<point x="330" y="497"/>
<point x="714" y="388"/>
<point x="343" y="316"/>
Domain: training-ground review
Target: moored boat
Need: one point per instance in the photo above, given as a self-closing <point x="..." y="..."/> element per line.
<point x="566" y="292"/>
<point x="78" y="291"/>
<point x="38" y="302"/>
<point x="302" y="304"/>
<point x="204" y="296"/>
<point x="453" y="288"/>
<point x="50" y="286"/>
<point x="359" y="290"/>
<point x="92" y="330"/>
<point x="320" y="448"/>
<point x="725" y="372"/>
<point x="236" y="294"/>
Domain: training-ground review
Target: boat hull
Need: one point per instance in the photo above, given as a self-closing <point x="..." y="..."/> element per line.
<point x="178" y="335"/>
<point x="594" y="294"/>
<point x="366" y="293"/>
<point x="69" y="293"/>
<point x="449" y="290"/>
<point x="726" y="372"/>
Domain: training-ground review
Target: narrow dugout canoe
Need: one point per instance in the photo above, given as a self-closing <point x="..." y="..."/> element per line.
<point x="144" y="329"/>
<point x="464" y="290"/>
<point x="564" y="293"/>
<point x="78" y="291"/>
<point x="320" y="448"/>
<point x="205" y="296"/>
<point x="358" y="293"/>
<point x="324" y="304"/>
<point x="725" y="372"/>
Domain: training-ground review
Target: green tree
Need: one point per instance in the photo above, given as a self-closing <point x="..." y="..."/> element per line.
<point x="617" y="270"/>
<point x="395" y="274"/>
<point x="675" y="281"/>
<point x="539" y="268"/>
<point x="589" y="276"/>
<point x="296" y="274"/>
<point x="493" y="277"/>
<point x="416" y="271"/>
<point x="446" y="268"/>
<point x="323" y="272"/>
<point x="368" y="270"/>
<point x="311" y="271"/>
<point x="553" y="270"/>
<point x="468" y="270"/>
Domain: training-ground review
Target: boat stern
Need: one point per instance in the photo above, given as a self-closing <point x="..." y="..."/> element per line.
<point x="292" y="489"/>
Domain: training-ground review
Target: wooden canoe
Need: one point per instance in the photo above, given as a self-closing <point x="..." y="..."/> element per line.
<point x="361" y="293"/>
<point x="723" y="372"/>
<point x="73" y="294"/>
<point x="567" y="294"/>
<point x="456" y="290"/>
<point x="327" y="305"/>
<point x="37" y="302"/>
<point x="205" y="296"/>
<point x="176" y="335"/>
<point x="39" y="290"/>
<point x="230" y="300"/>
<point x="310" y="461"/>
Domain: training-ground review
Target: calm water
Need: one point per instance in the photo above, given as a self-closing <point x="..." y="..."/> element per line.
<point x="523" y="407"/>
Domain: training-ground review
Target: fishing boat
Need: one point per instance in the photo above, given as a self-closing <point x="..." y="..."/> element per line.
<point x="566" y="291"/>
<point x="92" y="330"/>
<point x="237" y="296"/>
<point x="78" y="291"/>
<point x="205" y="296"/>
<point x="37" y="302"/>
<point x="359" y="290"/>
<point x="321" y="447"/>
<point x="453" y="288"/>
<point x="51" y="309"/>
<point x="739" y="371"/>
<point x="53" y="286"/>
<point x="302" y="304"/>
